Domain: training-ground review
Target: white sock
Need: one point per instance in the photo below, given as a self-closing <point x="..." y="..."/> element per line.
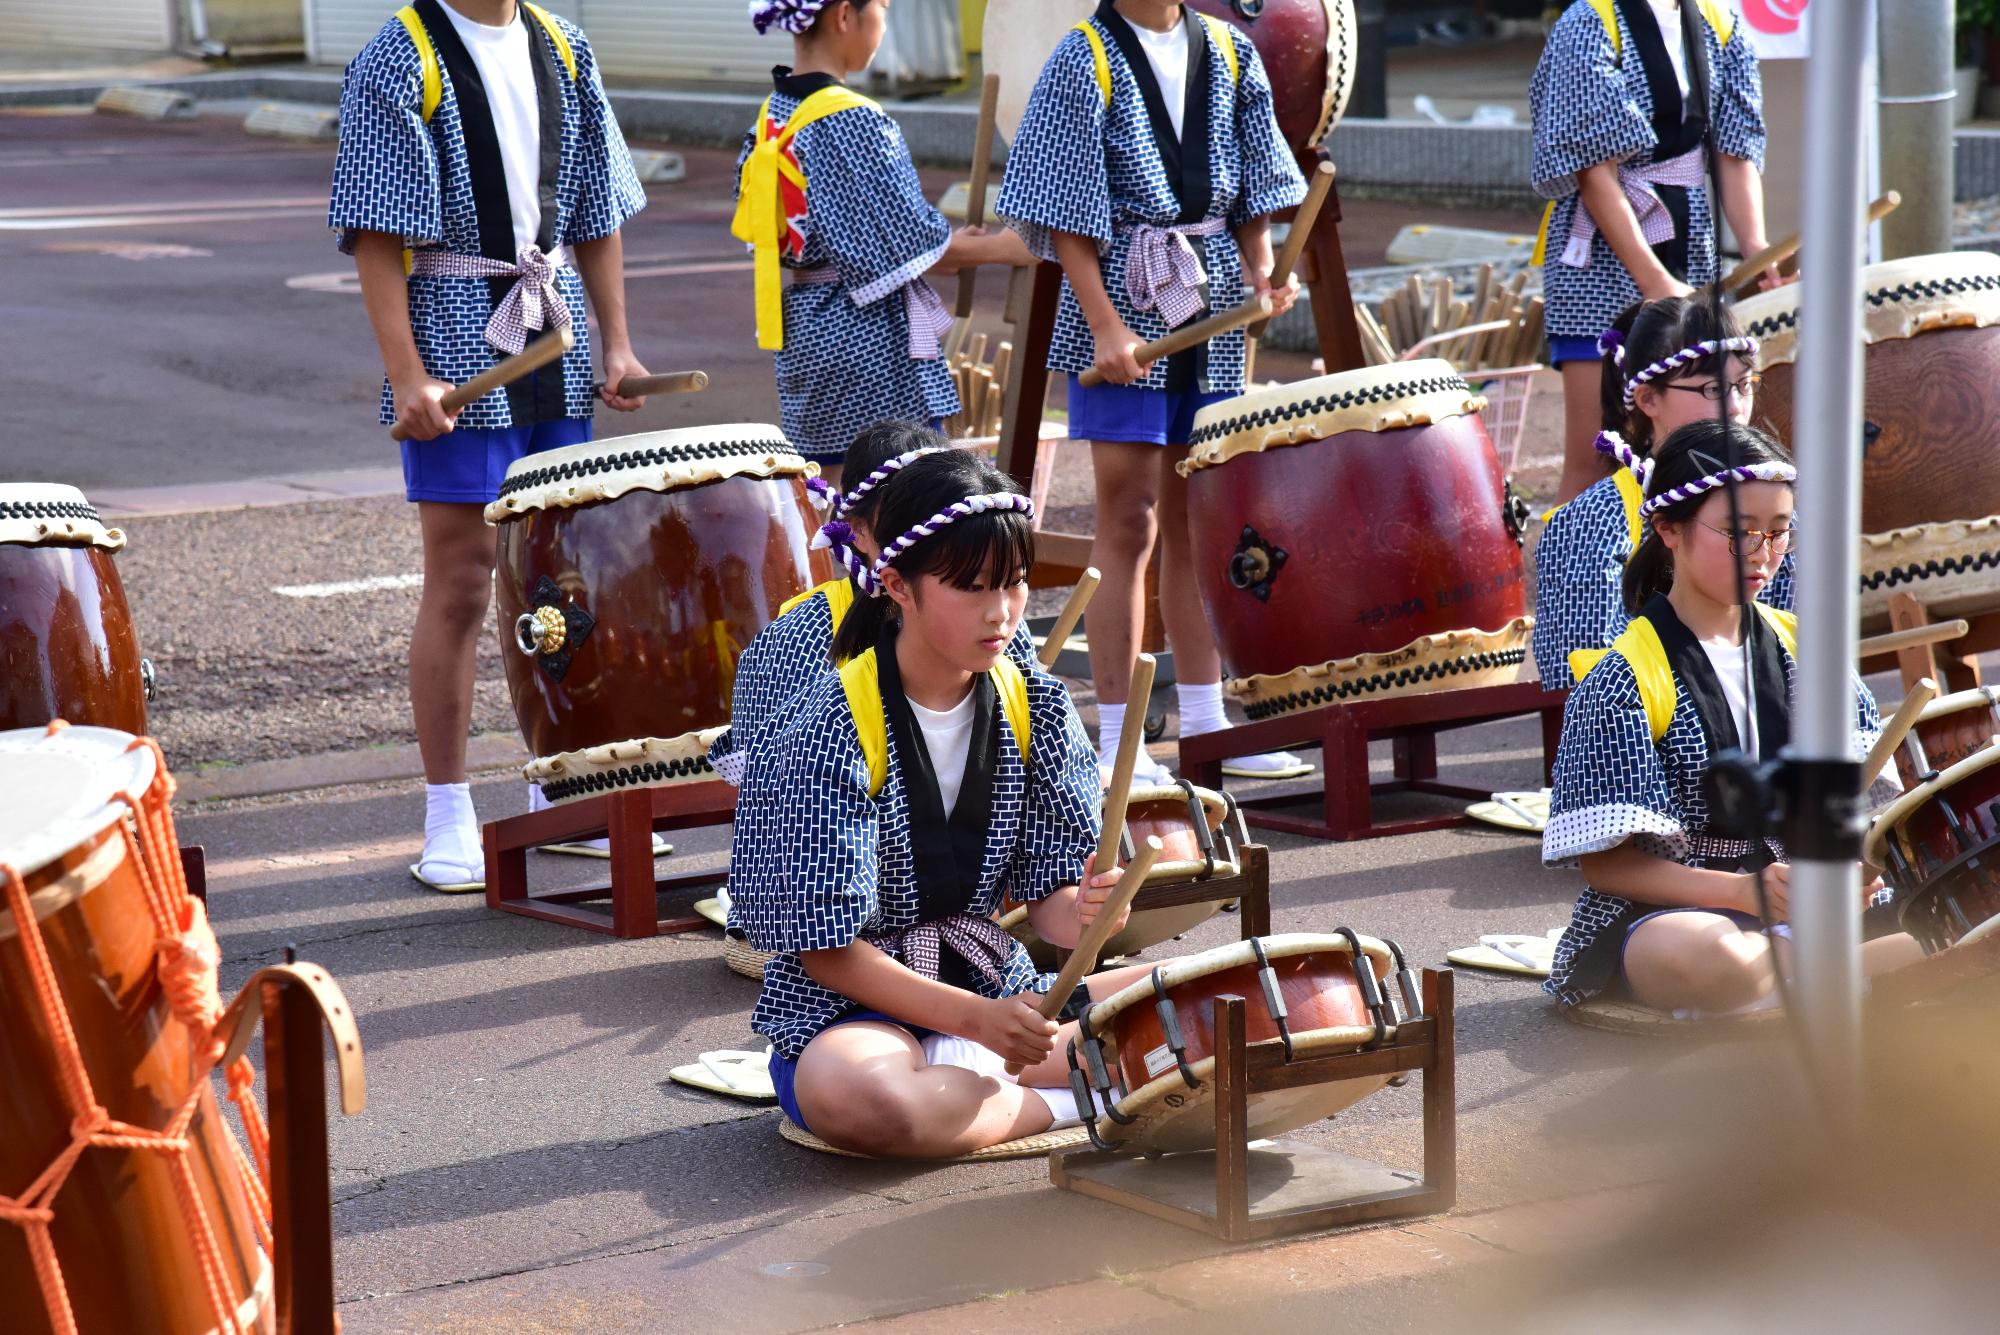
<point x="451" y="828"/>
<point x="1110" y="724"/>
<point x="536" y="801"/>
<point x="1201" y="707"/>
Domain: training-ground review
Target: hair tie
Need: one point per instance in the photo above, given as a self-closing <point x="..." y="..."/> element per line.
<point x="1611" y="344"/>
<point x="825" y="496"/>
<point x="837" y="536"/>
<point x="990" y="502"/>
<point x="1672" y="362"/>
<point x="1687" y="491"/>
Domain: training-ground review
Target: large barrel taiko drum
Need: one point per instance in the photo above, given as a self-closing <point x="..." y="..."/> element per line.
<point x="67" y="647"/>
<point x="633" y="572"/>
<point x="120" y="1233"/>
<point x="1931" y="392"/>
<point x="1353" y="537"/>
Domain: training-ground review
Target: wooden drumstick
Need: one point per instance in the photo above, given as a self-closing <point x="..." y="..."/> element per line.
<point x="1120" y="791"/>
<point x="672" y="382"/>
<point x="1914" y="637"/>
<point x="1771" y="256"/>
<point x="1257" y="308"/>
<point x="533" y="357"/>
<point x="1072" y="612"/>
<point x="1084" y="958"/>
<point x="1897" y="728"/>
<point x="982" y="166"/>
<point x="1303" y="220"/>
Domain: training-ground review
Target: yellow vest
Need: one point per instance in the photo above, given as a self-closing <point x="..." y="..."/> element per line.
<point x="759" y="220"/>
<point x="861" y="678"/>
<point x="427" y="52"/>
<point x="1218" y="33"/>
<point x="1640" y="646"/>
<point x="839" y="595"/>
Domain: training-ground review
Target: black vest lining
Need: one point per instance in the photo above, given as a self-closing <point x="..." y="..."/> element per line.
<point x="1679" y="124"/>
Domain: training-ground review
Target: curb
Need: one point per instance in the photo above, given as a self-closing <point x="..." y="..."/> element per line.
<point x="485" y="752"/>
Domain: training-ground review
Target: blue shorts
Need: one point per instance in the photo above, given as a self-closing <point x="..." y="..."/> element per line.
<point x="785" y="1070"/>
<point x="1573" y="350"/>
<point x="467" y="465"/>
<point x="1134" y="414"/>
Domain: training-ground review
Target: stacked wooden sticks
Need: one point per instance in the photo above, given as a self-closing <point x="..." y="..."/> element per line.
<point x="982" y="385"/>
<point x="1500" y="328"/>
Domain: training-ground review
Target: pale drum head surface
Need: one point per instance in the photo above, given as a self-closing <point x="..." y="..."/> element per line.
<point x="59" y="790"/>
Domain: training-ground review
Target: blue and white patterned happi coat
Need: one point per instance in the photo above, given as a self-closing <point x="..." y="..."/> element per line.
<point x="395" y="174"/>
<point x="816" y="861"/>
<point x="1588" y="110"/>
<point x="1579" y="580"/>
<point x="846" y="362"/>
<point x="1077" y="165"/>
<point x="1613" y="783"/>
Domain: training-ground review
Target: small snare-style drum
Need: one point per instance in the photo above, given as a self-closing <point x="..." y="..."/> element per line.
<point x="1950" y="729"/>
<point x="1936" y="846"/>
<point x="1149" y="1051"/>
<point x="67" y="649"/>
<point x="1200" y="831"/>
<point x="1308" y="50"/>
<point x="129" y="1260"/>
<point x="1932" y="386"/>
<point x="1353" y="537"/>
<point x="633" y="573"/>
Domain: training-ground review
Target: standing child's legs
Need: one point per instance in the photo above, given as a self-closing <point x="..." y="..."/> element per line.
<point x="1583" y="418"/>
<point x="444" y="647"/>
<point x="1128" y="519"/>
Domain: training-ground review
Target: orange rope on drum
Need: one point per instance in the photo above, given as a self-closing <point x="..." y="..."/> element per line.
<point x="188" y="961"/>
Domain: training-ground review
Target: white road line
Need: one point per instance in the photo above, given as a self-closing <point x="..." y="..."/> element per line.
<point x="339" y="587"/>
<point x="91" y="221"/>
<point x="159" y="206"/>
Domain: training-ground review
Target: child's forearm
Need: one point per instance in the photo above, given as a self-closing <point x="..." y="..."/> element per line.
<point x="601" y="264"/>
<point x="1743" y="202"/>
<point x="864" y="973"/>
<point x="1253" y="242"/>
<point x="1054" y="918"/>
<point x="1078" y="257"/>
<point x="1631" y="874"/>
<point x="385" y="294"/>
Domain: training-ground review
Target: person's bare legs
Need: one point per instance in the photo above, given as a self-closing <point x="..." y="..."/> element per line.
<point x="444" y="646"/>
<point x="1128" y="502"/>
<point x="1705" y="961"/>
<point x="1583" y="418"/>
<point x="866" y="1087"/>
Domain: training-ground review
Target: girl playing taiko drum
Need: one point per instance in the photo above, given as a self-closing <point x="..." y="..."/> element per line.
<point x="1672" y="916"/>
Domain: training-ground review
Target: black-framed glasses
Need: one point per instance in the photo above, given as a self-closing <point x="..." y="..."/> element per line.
<point x="1751" y="540"/>
<point x="1714" y="389"/>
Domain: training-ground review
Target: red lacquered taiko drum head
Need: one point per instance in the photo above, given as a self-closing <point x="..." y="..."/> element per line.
<point x="128" y="1259"/>
<point x="1353" y="537"/>
<point x="67" y="648"/>
<point x="632" y="573"/>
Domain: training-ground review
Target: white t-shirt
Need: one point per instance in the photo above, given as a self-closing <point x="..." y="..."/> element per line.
<point x="948" y="738"/>
<point x="507" y="68"/>
<point x="1167" y="53"/>
<point x="1669" y="15"/>
<point x="1727" y="660"/>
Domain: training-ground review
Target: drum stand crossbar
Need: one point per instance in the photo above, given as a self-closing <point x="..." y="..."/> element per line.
<point x="1342" y="733"/>
<point x="1243" y="1194"/>
<point x="628" y="818"/>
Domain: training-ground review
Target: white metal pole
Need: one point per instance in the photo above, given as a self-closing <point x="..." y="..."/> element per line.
<point x="1826" y="887"/>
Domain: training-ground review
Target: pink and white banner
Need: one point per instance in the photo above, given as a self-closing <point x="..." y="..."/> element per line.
<point x="1777" y="27"/>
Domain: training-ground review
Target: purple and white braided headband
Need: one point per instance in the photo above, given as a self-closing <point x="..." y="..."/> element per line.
<point x="1687" y="491"/>
<point x="842" y="503"/>
<point x="1613" y="444"/>
<point x="991" y="502"/>
<point x="1672" y="362"/>
<point x="838" y="537"/>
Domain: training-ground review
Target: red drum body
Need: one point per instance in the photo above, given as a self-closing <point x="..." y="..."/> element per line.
<point x="1308" y="49"/>
<point x="632" y="574"/>
<point x="1936" y="846"/>
<point x="1353" y="537"/>
<point x="1932" y="393"/>
<point x="120" y="1237"/>
<point x="1155" y="1080"/>
<point x="67" y="648"/>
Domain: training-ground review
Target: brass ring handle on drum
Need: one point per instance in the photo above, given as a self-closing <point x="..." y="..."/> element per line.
<point x="1249" y="567"/>
<point x="541" y="631"/>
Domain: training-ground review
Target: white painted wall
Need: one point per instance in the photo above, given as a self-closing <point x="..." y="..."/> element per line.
<point x="122" y="25"/>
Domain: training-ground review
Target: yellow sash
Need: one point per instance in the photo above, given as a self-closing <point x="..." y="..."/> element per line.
<point x="862" y="680"/>
<point x="839" y="595"/>
<point x="1640" y="646"/>
<point x="759" y="220"/>
<point x="1218" y="33"/>
<point x="427" y="56"/>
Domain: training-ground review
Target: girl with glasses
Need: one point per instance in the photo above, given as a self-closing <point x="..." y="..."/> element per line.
<point x="1667" y="363"/>
<point x="1673" y="915"/>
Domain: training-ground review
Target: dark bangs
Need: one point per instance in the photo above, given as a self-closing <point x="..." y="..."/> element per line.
<point x="996" y="548"/>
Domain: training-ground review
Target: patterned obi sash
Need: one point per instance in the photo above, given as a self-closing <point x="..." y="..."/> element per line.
<point x="929" y="319"/>
<point x="531" y="303"/>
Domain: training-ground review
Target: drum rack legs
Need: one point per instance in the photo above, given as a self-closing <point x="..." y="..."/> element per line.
<point x="1342" y="733"/>
<point x="629" y="819"/>
<point x="1240" y="1194"/>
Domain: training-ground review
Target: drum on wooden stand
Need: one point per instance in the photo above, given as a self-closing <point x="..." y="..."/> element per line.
<point x="1353" y="538"/>
<point x="112" y="1150"/>
<point x="67" y="648"/>
<point x="633" y="572"/>
<point x="1932" y="386"/>
<point x="1200" y="831"/>
<point x="1308" y="50"/>
<point x="1936" y="845"/>
<point x="1148" y="1053"/>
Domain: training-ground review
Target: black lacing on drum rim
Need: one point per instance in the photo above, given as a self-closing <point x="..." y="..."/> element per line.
<point x="1377" y="683"/>
<point x="631" y="776"/>
<point x="1936" y="287"/>
<point x="1327" y="403"/>
<point x="49" y="510"/>
<point x="650" y="458"/>
<point x="1932" y="569"/>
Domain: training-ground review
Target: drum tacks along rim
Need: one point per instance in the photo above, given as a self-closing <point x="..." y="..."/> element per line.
<point x="647" y="762"/>
<point x="34" y="513"/>
<point x="1374" y="398"/>
<point x="1900" y="299"/>
<point x="651" y="461"/>
<point x="1455" y="660"/>
<point x="1952" y="568"/>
